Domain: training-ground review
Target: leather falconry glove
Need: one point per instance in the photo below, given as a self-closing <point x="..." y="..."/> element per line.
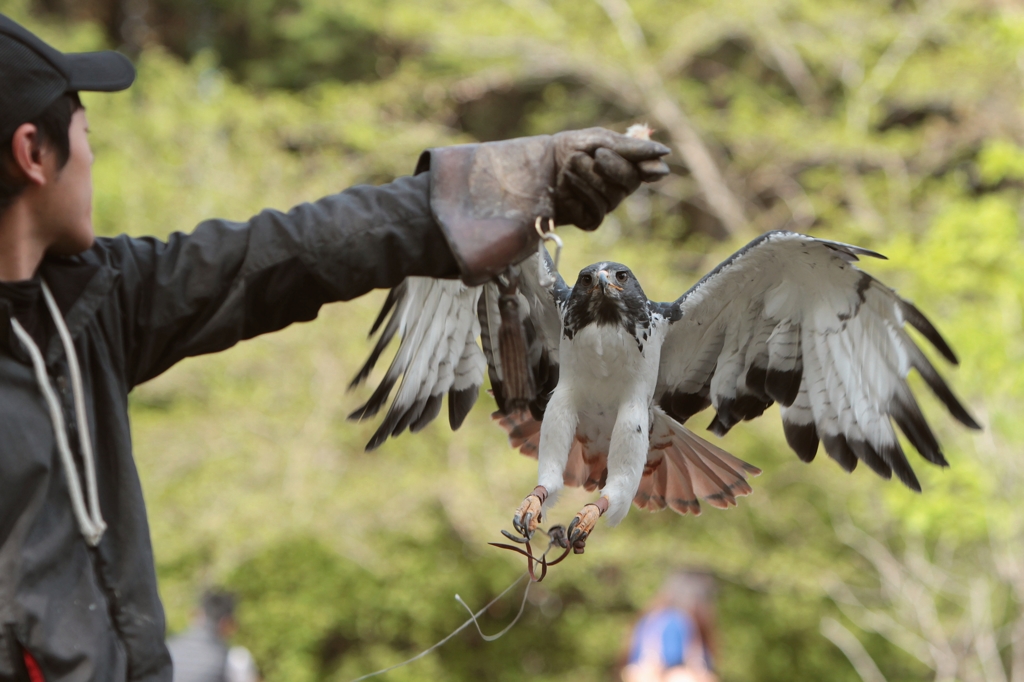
<point x="487" y="197"/>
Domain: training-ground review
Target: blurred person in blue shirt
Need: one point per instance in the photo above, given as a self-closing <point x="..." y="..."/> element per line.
<point x="674" y="638"/>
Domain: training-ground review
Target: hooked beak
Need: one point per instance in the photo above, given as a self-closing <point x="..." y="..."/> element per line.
<point x="606" y="282"/>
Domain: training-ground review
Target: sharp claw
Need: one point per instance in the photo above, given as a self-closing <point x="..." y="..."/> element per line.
<point x="515" y="538"/>
<point x="574" y="533"/>
<point x="572" y="526"/>
<point x="524" y="521"/>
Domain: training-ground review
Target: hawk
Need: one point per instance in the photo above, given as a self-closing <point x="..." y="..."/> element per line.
<point x="787" y="319"/>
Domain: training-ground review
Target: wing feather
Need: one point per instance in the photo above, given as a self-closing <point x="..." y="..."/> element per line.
<point x="439" y="322"/>
<point x="790" y="319"/>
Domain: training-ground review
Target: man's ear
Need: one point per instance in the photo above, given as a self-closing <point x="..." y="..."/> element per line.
<point x="28" y="152"/>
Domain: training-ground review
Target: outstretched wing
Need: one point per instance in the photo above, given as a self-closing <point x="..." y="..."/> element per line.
<point x="789" y="319"/>
<point x="439" y="322"/>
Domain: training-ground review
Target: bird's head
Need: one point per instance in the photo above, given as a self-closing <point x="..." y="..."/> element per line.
<point x="606" y="293"/>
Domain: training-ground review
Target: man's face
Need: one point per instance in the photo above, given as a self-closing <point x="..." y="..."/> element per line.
<point x="66" y="206"/>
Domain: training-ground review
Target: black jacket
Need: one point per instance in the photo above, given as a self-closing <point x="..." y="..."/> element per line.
<point x="135" y="307"/>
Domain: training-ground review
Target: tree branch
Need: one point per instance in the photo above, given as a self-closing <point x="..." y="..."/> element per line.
<point x="670" y="116"/>
<point x="888" y="66"/>
<point x="851" y="647"/>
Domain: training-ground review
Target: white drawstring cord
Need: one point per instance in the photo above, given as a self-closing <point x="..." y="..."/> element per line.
<point x="89" y="522"/>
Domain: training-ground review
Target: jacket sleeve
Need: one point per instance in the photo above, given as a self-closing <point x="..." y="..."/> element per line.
<point x="205" y="291"/>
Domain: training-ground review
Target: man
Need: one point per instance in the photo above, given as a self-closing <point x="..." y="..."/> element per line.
<point x="84" y="320"/>
<point x="201" y="653"/>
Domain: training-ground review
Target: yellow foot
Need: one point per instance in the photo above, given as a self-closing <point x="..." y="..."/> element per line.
<point x="528" y="516"/>
<point x="581" y="526"/>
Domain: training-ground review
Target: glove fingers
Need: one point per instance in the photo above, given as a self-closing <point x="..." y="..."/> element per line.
<point x="577" y="204"/>
<point x="597" y="169"/>
<point x="652" y="170"/>
<point x="633" y="149"/>
<point x="617" y="170"/>
<point x="611" y="192"/>
<point x="586" y="196"/>
<point x="571" y="212"/>
<point x="630" y="148"/>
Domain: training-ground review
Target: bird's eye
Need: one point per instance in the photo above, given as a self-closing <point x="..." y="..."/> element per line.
<point x="586" y="280"/>
<point x="621" y="275"/>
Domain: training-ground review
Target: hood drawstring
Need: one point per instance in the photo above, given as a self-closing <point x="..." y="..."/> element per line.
<point x="90" y="521"/>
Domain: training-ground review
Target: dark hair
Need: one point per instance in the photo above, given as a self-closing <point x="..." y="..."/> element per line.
<point x="218" y="605"/>
<point x="53" y="126"/>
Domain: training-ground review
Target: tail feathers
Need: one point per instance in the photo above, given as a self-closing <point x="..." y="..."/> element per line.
<point x="577" y="471"/>
<point x="523" y="431"/>
<point x="682" y="468"/>
<point x="679" y="492"/>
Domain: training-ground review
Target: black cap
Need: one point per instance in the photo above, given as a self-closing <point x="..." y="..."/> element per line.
<point x="33" y="74"/>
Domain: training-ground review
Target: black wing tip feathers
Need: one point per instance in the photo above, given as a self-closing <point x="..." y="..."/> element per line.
<point x="460" y="402"/>
<point x="372" y="406"/>
<point x="364" y="373"/>
<point x="783" y="386"/>
<point x="385" y="339"/>
<point x="893" y="455"/>
<point x="851" y="250"/>
<point x="885" y="463"/>
<point x="418" y="415"/>
<point x="867" y="454"/>
<point x="389" y="303"/>
<point x="364" y="411"/>
<point x="839" y="449"/>
<point x="908" y="417"/>
<point x="429" y="413"/>
<point x="398" y="420"/>
<point x="944" y="393"/>
<point x="718" y="425"/>
<point x="963" y="416"/>
<point x="681" y="406"/>
<point x="732" y="411"/>
<point x="802" y="438"/>
<point x="918" y="321"/>
<point x="371" y="362"/>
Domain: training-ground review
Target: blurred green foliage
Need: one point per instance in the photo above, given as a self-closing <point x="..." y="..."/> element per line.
<point x="894" y="125"/>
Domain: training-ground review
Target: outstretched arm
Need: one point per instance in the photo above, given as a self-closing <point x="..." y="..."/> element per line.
<point x="469" y="212"/>
<point x="205" y="291"/>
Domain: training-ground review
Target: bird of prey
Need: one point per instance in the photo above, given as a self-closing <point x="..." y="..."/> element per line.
<point x="789" y="319"/>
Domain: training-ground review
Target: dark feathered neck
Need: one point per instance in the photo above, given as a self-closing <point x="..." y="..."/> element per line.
<point x="631" y="314"/>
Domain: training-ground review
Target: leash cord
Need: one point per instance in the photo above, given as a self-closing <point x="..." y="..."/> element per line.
<point x="472" y="619"/>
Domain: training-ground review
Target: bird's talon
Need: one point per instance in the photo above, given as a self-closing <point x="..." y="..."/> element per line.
<point x="578" y="536"/>
<point x="583" y="523"/>
<point x="529" y="514"/>
<point x="572" y="526"/>
<point x="521" y="539"/>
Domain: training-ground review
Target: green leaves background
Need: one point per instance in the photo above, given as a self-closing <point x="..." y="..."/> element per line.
<point x="893" y="125"/>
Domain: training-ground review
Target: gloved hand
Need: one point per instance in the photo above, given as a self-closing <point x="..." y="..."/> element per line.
<point x="597" y="169"/>
<point x="487" y="197"/>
